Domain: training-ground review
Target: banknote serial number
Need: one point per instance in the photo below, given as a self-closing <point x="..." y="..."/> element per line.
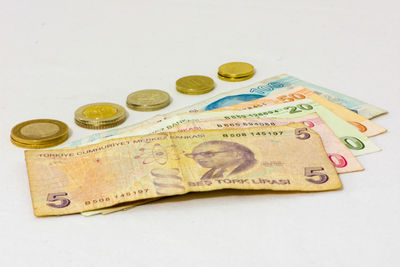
<point x="237" y="124"/>
<point x="253" y="115"/>
<point x="258" y="133"/>
<point x="117" y="196"/>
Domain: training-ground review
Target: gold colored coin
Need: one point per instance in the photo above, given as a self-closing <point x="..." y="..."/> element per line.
<point x="39" y="133"/>
<point x="99" y="112"/>
<point x="195" y="85"/>
<point x="148" y="100"/>
<point x="39" y="146"/>
<point x="100" y="115"/>
<point x="236" y="70"/>
<point x="239" y="79"/>
<point x="98" y="126"/>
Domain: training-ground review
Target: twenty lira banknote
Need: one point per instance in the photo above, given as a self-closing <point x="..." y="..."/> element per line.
<point x="364" y="125"/>
<point x="283" y="158"/>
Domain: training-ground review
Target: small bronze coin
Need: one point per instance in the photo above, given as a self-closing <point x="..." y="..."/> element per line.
<point x="195" y="85"/>
<point x="235" y="71"/>
<point x="148" y="100"/>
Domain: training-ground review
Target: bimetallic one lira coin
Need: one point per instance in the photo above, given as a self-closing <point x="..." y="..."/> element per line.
<point x="100" y="115"/>
<point x="148" y="100"/>
<point x="195" y="85"/>
<point x="235" y="71"/>
<point x="40" y="133"/>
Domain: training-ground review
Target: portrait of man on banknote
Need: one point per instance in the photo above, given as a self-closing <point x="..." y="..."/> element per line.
<point x="223" y="158"/>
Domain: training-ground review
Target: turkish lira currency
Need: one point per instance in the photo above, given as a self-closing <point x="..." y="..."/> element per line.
<point x="148" y="100"/>
<point x="100" y="115"/>
<point x="282" y="158"/>
<point x="278" y="84"/>
<point x="357" y="142"/>
<point x="364" y="125"/>
<point x="340" y="156"/>
<point x="195" y="85"/>
<point x="235" y="71"/>
<point x="39" y="133"/>
<point x="275" y="85"/>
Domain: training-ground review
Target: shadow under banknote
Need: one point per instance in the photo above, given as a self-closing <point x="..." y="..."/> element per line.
<point x="191" y="196"/>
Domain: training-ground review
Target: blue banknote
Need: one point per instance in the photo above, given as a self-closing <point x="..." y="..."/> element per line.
<point x="284" y="82"/>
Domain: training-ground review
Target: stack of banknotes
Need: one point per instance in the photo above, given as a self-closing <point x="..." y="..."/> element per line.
<point x="280" y="134"/>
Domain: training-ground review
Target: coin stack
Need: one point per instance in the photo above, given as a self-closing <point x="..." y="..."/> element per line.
<point x="148" y="100"/>
<point x="235" y="71"/>
<point x="194" y="85"/>
<point x="43" y="133"/>
<point x="100" y="115"/>
<point x="40" y="133"/>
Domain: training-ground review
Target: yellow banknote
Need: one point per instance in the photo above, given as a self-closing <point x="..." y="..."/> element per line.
<point x="283" y="158"/>
<point x="367" y="127"/>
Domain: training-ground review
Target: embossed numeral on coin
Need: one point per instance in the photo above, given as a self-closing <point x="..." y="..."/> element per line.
<point x="57" y="200"/>
<point x="315" y="171"/>
<point x="301" y="133"/>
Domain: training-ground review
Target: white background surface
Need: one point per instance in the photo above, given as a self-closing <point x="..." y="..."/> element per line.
<point x="58" y="55"/>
